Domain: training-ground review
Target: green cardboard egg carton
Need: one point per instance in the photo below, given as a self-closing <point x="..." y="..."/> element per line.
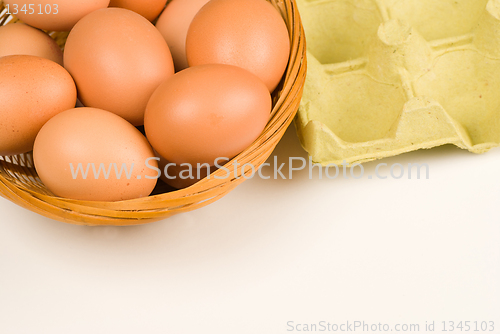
<point x="392" y="76"/>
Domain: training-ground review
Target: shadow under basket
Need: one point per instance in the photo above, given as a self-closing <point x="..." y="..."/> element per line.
<point x="20" y="184"/>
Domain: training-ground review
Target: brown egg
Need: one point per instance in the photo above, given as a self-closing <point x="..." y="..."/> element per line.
<point x="92" y="154"/>
<point x="174" y="23"/>
<point x="32" y="90"/>
<point x="206" y="112"/>
<point x="60" y="15"/>
<point x="21" y="39"/>
<point x="150" y="9"/>
<point x="117" y="58"/>
<point x="250" y="34"/>
<point x="182" y="176"/>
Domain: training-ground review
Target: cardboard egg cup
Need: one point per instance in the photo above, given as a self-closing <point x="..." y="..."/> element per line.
<point x="392" y="76"/>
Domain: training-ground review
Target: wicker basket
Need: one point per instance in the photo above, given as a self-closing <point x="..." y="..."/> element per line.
<point x="20" y="184"/>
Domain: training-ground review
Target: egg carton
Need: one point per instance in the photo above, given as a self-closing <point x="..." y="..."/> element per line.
<point x="392" y="76"/>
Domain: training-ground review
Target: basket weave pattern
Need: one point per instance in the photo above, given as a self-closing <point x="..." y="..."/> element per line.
<point x="20" y="184"/>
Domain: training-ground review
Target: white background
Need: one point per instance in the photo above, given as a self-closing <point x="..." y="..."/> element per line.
<point x="272" y="251"/>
